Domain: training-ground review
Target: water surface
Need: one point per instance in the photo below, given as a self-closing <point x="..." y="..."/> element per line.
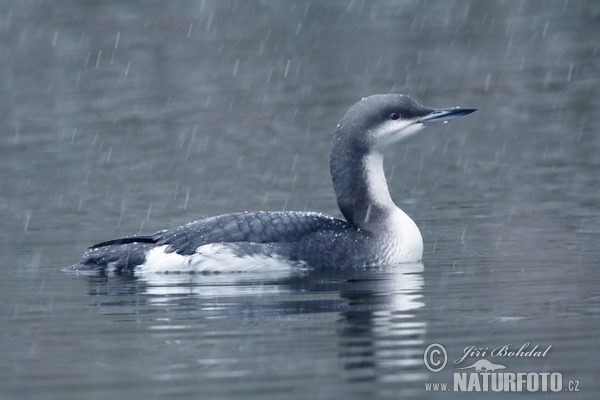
<point x="126" y="117"/>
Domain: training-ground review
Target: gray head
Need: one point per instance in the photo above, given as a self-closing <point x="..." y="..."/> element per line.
<point x="356" y="160"/>
<point x="380" y="120"/>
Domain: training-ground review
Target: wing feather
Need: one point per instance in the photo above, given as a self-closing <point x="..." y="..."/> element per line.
<point x="257" y="227"/>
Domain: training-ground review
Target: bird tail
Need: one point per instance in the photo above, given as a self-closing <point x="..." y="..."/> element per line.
<point x="116" y="256"/>
<point x="125" y="240"/>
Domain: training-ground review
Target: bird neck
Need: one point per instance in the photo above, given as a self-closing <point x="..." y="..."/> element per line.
<point x="360" y="187"/>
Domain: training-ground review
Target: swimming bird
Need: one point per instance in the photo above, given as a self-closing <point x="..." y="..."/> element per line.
<point x="374" y="230"/>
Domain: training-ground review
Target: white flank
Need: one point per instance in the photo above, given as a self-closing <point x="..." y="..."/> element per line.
<point x="213" y="257"/>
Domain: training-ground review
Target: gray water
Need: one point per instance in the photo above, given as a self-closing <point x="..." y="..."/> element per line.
<point x="119" y="117"/>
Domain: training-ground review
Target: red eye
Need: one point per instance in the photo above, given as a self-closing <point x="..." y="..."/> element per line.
<point x="394" y="116"/>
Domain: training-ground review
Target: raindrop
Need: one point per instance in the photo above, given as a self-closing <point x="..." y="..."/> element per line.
<point x="27" y="219"/>
<point x="98" y="58"/>
<point x="54" y="38"/>
<point x="42" y="287"/>
<point x="194" y="129"/>
<point x="488" y="78"/>
<point x="570" y="74"/>
<point x="122" y="214"/>
<point x="189" y="32"/>
<point x="73" y="135"/>
<point x="142" y="227"/>
<point x="210" y="21"/>
<point x="306" y="9"/>
<point x="545" y="30"/>
<point x="235" y="68"/>
<point x="187" y="198"/>
<point x="117" y="39"/>
<point x="127" y="68"/>
<point x="368" y="214"/>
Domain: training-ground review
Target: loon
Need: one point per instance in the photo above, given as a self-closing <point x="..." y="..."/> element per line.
<point x="375" y="231"/>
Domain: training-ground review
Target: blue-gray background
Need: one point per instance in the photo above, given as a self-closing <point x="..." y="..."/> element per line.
<point x="120" y="117"/>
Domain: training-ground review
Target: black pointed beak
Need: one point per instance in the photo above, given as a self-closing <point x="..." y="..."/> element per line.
<point x="445" y="114"/>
